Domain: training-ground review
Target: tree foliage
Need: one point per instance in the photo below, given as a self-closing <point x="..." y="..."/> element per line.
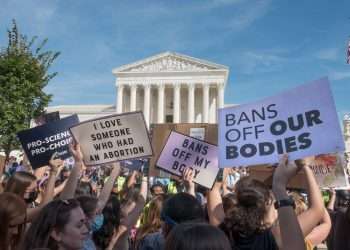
<point x="24" y="72"/>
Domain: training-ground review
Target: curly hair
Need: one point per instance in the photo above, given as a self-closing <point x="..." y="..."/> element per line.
<point x="247" y="216"/>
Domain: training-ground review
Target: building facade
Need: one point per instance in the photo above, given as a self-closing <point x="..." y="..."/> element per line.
<point x="168" y="88"/>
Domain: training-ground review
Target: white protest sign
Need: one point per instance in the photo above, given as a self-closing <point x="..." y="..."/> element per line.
<point x="198" y="133"/>
<point x="182" y="151"/>
<point x="329" y="170"/>
<point x="301" y="122"/>
<point x="113" y="138"/>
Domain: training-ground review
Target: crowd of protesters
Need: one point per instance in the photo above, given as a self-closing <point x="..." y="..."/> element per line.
<point x="75" y="207"/>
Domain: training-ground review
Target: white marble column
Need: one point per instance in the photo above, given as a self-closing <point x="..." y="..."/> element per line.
<point x="147" y="102"/>
<point x="190" y="112"/>
<point x="133" y="93"/>
<point x="206" y="88"/>
<point x="221" y="96"/>
<point x="161" y="88"/>
<point x="120" y="99"/>
<point x="177" y="88"/>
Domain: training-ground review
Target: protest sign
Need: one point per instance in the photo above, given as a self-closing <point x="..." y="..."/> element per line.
<point x="135" y="164"/>
<point x="40" y="142"/>
<point x="161" y="132"/>
<point x="301" y="122"/>
<point x="181" y="152"/>
<point x="329" y="170"/>
<point x="113" y="138"/>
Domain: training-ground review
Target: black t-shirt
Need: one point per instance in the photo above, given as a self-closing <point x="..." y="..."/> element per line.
<point x="338" y="238"/>
<point x="258" y="241"/>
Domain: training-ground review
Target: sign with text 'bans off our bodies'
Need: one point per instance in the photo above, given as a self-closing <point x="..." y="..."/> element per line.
<point x="39" y="143"/>
<point x="181" y="152"/>
<point x="301" y="122"/>
<point x="113" y="138"/>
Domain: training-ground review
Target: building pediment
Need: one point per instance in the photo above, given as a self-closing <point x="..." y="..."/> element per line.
<point x="169" y="62"/>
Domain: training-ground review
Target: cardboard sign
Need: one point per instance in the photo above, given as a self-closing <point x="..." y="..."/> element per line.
<point x="41" y="142"/>
<point x="181" y="151"/>
<point x="113" y="138"/>
<point x="301" y="122"/>
<point x="329" y="170"/>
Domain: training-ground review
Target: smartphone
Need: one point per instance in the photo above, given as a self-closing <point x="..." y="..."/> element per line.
<point x="145" y="168"/>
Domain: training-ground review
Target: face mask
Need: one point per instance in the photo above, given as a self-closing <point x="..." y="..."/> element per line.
<point x="31" y="197"/>
<point x="97" y="223"/>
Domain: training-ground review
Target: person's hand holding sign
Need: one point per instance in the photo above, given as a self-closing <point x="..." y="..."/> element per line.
<point x="291" y="234"/>
<point x="55" y="163"/>
<point x="187" y="177"/>
<point x="76" y="152"/>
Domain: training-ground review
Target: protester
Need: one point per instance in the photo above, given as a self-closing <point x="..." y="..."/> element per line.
<point x="338" y="238"/>
<point x="60" y="225"/>
<point x="151" y="221"/>
<point x="196" y="236"/>
<point x="12" y="219"/>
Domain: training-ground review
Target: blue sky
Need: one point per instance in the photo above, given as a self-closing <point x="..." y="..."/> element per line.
<point x="269" y="45"/>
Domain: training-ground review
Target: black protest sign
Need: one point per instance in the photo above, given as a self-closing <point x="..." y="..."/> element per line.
<point x="41" y="142"/>
<point x="113" y="138"/>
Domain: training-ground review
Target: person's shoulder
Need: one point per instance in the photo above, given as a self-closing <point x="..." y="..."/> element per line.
<point x="153" y="241"/>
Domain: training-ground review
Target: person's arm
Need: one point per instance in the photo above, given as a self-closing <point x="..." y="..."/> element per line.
<point x="215" y="208"/>
<point x="320" y="232"/>
<point x="331" y="202"/>
<point x="131" y="218"/>
<point x="291" y="235"/>
<point x="49" y="190"/>
<point x="188" y="181"/>
<point x="312" y="216"/>
<point x="59" y="188"/>
<point x="72" y="182"/>
<point x="107" y="188"/>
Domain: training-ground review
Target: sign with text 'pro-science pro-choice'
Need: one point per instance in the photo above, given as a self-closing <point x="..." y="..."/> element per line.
<point x="301" y="122"/>
<point x="113" y="138"/>
<point x="39" y="143"/>
<point x="181" y="152"/>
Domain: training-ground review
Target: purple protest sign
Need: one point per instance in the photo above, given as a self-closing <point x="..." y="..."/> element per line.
<point x="182" y="151"/>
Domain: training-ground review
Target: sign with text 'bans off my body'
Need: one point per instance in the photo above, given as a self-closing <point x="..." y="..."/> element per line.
<point x="39" y="143"/>
<point x="301" y="122"/>
<point x="113" y="138"/>
<point x="181" y="151"/>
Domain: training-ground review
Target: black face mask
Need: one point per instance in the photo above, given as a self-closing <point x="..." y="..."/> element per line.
<point x="31" y="197"/>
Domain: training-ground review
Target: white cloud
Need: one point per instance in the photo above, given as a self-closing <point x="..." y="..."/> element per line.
<point x="261" y="61"/>
<point x="330" y="54"/>
<point x="339" y="75"/>
<point x="249" y="14"/>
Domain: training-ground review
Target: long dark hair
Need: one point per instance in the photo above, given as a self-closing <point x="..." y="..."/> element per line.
<point x="54" y="215"/>
<point x="196" y="236"/>
<point x="111" y="214"/>
<point x="246" y="217"/>
<point x="12" y="214"/>
<point x="19" y="182"/>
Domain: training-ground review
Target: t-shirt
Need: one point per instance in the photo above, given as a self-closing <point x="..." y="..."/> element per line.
<point x="338" y="238"/>
<point x="154" y="241"/>
<point x="258" y="241"/>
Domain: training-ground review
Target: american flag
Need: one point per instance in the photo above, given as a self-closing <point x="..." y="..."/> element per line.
<point x="348" y="54"/>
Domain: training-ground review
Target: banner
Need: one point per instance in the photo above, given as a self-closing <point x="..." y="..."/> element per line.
<point x="40" y="142"/>
<point x="301" y="122"/>
<point x="329" y="170"/>
<point x="113" y="138"/>
<point x="181" y="151"/>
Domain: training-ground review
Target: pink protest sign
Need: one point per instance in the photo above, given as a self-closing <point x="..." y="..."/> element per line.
<point x="182" y="151"/>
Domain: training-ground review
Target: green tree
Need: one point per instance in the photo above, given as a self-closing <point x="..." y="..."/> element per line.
<point x="24" y="72"/>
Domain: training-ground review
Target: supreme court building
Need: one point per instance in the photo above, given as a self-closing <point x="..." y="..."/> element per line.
<point x="168" y="88"/>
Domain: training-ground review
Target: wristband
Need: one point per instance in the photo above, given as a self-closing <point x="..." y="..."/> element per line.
<point x="284" y="203"/>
